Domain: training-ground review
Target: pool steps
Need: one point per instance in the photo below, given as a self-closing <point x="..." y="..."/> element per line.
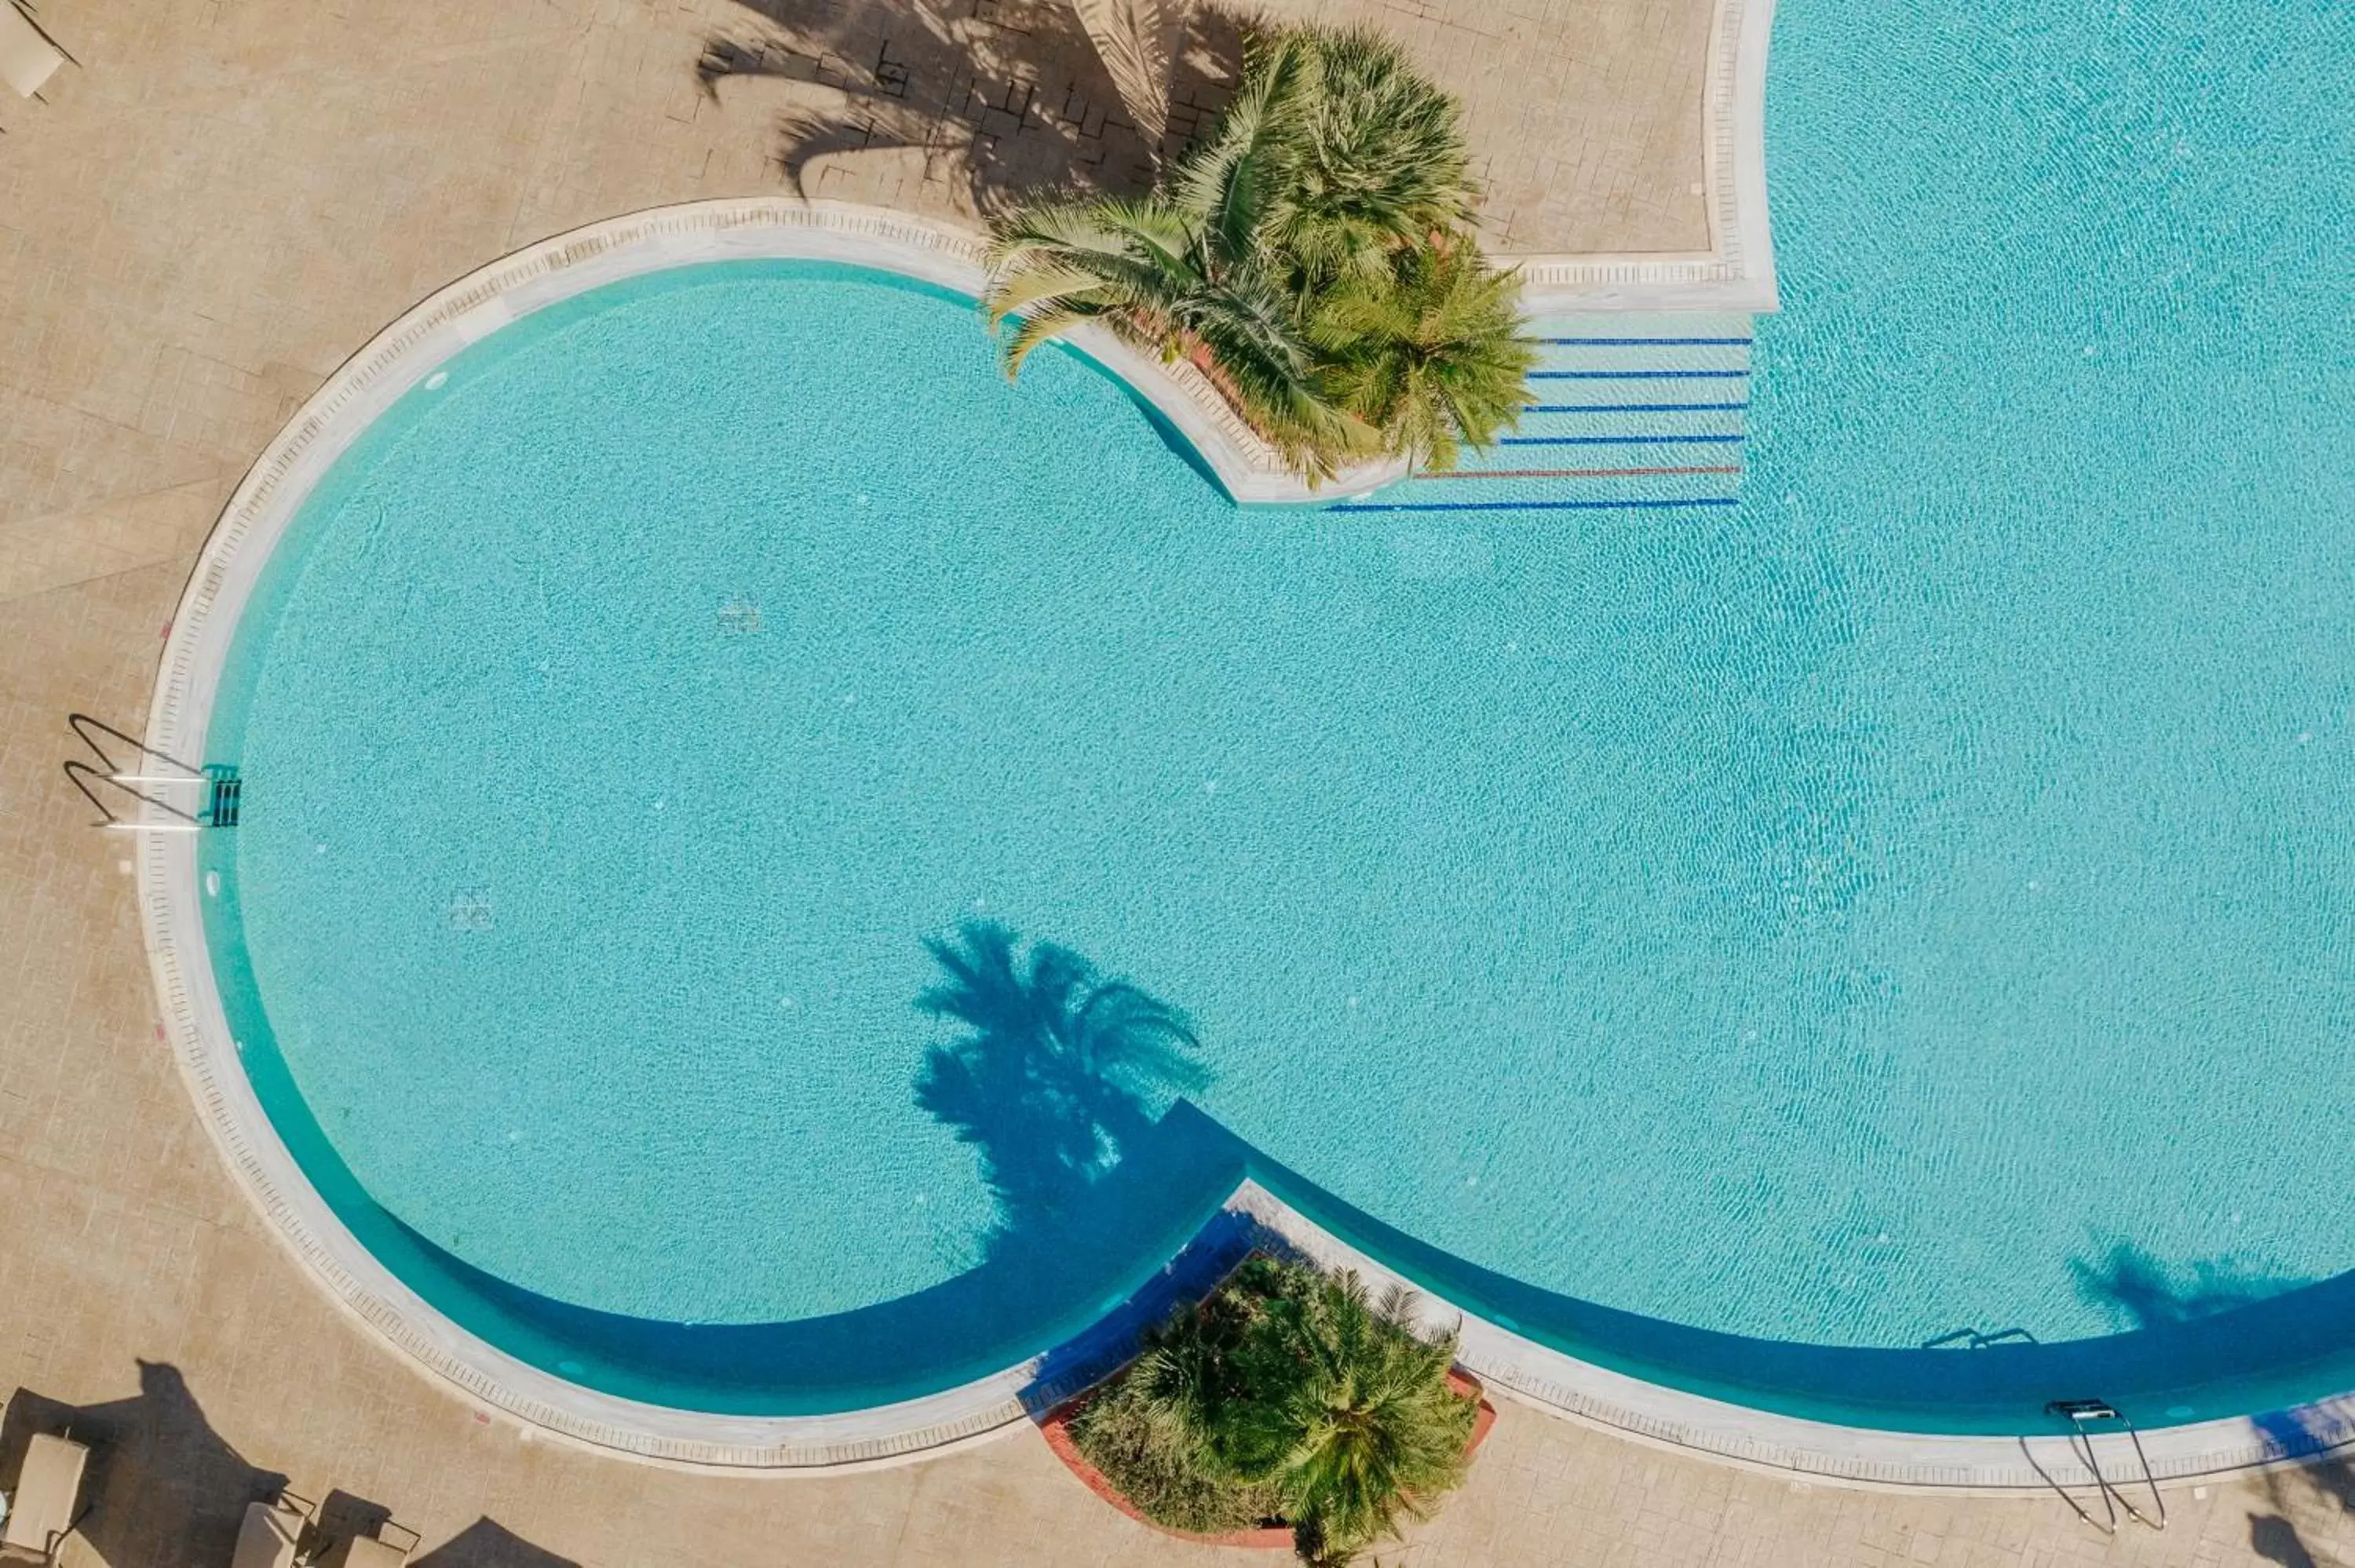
<point x="1636" y="412"/>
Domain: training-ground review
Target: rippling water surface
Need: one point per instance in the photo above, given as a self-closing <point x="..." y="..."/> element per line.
<point x="1918" y="898"/>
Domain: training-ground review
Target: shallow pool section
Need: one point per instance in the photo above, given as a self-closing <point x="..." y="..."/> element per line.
<point x="707" y="757"/>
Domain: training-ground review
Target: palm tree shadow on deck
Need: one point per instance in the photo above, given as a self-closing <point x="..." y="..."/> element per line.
<point x="2324" y="1484"/>
<point x="1006" y="96"/>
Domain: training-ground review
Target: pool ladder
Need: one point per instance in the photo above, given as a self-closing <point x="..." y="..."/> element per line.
<point x="217" y="802"/>
<point x="2087" y="1418"/>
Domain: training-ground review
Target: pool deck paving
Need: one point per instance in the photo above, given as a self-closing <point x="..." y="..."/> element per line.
<point x="218" y="205"/>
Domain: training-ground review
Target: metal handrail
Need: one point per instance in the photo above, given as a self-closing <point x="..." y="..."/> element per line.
<point x="82" y="774"/>
<point x="130" y="778"/>
<point x="1973" y="1339"/>
<point x="2111" y="1528"/>
<point x="2080" y="1414"/>
<point x="82" y="723"/>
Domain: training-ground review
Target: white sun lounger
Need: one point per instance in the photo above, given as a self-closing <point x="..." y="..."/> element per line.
<point x="370" y="1550"/>
<point x="363" y="1552"/>
<point x="267" y="1538"/>
<point x="41" y="1514"/>
<point x="28" y="59"/>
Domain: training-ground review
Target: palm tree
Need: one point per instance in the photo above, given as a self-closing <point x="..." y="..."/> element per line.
<point x="1372" y="155"/>
<point x="1151" y="1430"/>
<point x="1430" y="351"/>
<point x="1174" y="276"/>
<point x="1288" y="1394"/>
<point x="1308" y="255"/>
<point x="1351" y="1415"/>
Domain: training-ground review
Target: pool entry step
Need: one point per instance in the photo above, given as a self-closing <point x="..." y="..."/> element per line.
<point x="226" y="796"/>
<point x="1627" y="412"/>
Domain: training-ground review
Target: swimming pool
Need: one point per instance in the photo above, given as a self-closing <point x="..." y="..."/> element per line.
<point x="1912" y="901"/>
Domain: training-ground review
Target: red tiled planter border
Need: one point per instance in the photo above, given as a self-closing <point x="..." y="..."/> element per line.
<point x="1056" y="1429"/>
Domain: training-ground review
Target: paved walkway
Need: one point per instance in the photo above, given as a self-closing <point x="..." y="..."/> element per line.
<point x="227" y="199"/>
<point x="1585" y="115"/>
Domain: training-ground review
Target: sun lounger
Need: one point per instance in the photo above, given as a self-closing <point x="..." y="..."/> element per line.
<point x="370" y="1552"/>
<point x="267" y="1538"/>
<point x="41" y="1512"/>
<point x="28" y="58"/>
<point x="363" y="1552"/>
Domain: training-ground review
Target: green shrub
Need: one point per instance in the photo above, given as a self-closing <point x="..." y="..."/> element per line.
<point x="1157" y="1462"/>
<point x="1286" y="1394"/>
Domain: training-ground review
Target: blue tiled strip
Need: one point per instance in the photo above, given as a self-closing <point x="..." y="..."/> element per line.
<point x="1632" y="407"/>
<point x="1650" y="342"/>
<point x="1618" y="440"/>
<point x="1535" y="505"/>
<point x="1637" y="374"/>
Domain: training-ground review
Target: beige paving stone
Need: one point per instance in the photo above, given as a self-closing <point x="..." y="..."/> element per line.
<point x="38" y="553"/>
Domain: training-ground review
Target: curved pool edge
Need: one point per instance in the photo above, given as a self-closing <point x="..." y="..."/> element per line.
<point x="1297" y="1217"/>
<point x="194" y="1023"/>
<point x="1176" y="394"/>
<point x="195" y="1026"/>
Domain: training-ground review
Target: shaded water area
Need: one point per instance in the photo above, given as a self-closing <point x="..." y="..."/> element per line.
<point x="1109" y="1214"/>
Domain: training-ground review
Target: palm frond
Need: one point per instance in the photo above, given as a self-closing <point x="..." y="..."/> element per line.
<point x="1055" y="264"/>
<point x="1379" y="160"/>
<point x="1227" y="184"/>
<point x="1133" y="36"/>
<point x="1314" y="245"/>
<point x="1431" y="351"/>
<point x="1032" y="331"/>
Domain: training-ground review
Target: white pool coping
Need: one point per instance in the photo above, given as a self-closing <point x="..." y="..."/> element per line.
<point x="1737" y="272"/>
<point x="1755" y="1439"/>
<point x="400" y="356"/>
<point x="196" y="1027"/>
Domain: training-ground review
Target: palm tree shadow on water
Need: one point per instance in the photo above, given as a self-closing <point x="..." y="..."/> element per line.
<point x="1060" y="1080"/>
<point x="2138" y="1290"/>
<point x="1108" y="1211"/>
<point x="1059" y="1074"/>
<point x="1111" y="1194"/>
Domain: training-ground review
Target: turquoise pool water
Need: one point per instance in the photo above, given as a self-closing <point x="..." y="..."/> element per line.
<point x="1916" y="899"/>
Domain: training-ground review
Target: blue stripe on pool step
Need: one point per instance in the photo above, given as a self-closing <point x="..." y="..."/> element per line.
<point x="1646" y="504"/>
<point x="1529" y="505"/>
<point x="1637" y="374"/>
<point x="1651" y="342"/>
<point x="1632" y="407"/>
<point x="1619" y="440"/>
